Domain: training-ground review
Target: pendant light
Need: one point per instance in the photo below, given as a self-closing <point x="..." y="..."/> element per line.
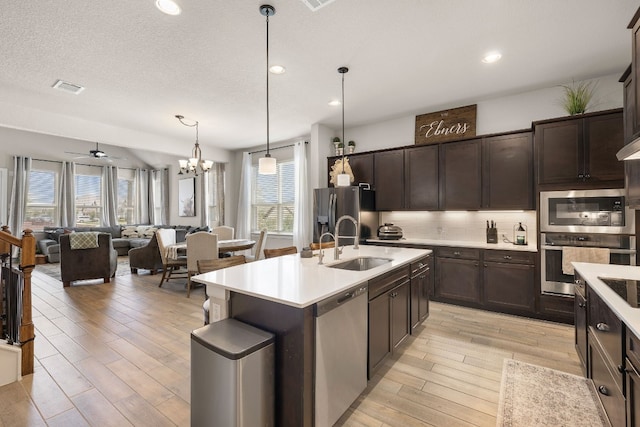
<point x="267" y="164"/>
<point x="344" y="179"/>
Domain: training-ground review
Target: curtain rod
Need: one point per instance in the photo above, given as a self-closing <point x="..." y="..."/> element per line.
<point x="276" y="148"/>
<point x="83" y="164"/>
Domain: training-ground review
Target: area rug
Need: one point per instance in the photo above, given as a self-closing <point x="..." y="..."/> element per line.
<point x="533" y="395"/>
<point x="53" y="269"/>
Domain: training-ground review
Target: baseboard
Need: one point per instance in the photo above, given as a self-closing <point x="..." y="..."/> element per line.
<point x="10" y="363"/>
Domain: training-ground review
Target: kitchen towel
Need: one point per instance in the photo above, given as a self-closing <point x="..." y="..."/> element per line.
<point x="573" y="254"/>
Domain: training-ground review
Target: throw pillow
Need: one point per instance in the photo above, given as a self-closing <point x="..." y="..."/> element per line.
<point x="55" y="234"/>
<point x="130" y="232"/>
<point x="149" y="232"/>
<point x="196" y="229"/>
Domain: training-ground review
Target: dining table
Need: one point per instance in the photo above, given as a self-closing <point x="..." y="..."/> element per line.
<point x="224" y="246"/>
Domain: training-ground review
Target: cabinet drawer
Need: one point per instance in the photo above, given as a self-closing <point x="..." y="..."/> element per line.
<point x="387" y="281"/>
<point x="606" y="387"/>
<point x="462" y="253"/>
<point x="420" y="266"/>
<point x="515" y="257"/>
<point x="605" y="326"/>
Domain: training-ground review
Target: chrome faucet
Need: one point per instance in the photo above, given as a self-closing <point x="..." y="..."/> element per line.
<point x="337" y="251"/>
<point x="320" y="253"/>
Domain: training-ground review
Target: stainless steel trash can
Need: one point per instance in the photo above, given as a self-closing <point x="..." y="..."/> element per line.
<point x="232" y="375"/>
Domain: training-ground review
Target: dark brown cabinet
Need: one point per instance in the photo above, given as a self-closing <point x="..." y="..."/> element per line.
<point x="389" y="296"/>
<point x="388" y="168"/>
<point x="580" y="149"/>
<point x="507" y="171"/>
<point x="361" y="166"/>
<point x="608" y="391"/>
<point x="580" y="323"/>
<point x="421" y="166"/>
<point x="461" y="175"/>
<point x="508" y="281"/>
<point x="632" y="378"/>
<point x="635" y="71"/>
<point x="458" y="275"/>
<point x="420" y="286"/>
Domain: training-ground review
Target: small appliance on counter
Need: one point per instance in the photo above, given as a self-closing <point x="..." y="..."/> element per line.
<point x="520" y="234"/>
<point x="389" y="231"/>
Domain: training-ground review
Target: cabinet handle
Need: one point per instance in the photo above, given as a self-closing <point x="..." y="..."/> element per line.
<point x="507" y="257"/>
<point x="428" y="268"/>
<point x="581" y="304"/>
<point x="587" y="176"/>
<point x="602" y="327"/>
<point x="579" y="282"/>
<point x="420" y="265"/>
<point x="602" y="389"/>
<point x="485" y="264"/>
<point x="581" y="176"/>
<point x="456" y="253"/>
<point x="476" y="264"/>
<point x="621" y="369"/>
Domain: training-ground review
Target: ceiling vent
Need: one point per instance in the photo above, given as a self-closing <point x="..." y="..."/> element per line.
<point x="68" y="87"/>
<point x="316" y="4"/>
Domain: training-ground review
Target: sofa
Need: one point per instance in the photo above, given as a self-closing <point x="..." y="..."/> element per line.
<point x="123" y="238"/>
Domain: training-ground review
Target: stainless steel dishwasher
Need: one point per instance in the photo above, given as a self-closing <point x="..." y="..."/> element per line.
<point x="341" y="353"/>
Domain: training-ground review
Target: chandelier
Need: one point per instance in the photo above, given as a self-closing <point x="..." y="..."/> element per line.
<point x="193" y="164"/>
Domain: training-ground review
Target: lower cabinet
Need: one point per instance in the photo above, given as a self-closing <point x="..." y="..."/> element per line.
<point x="603" y="379"/>
<point x="389" y="298"/>
<point x="580" y="322"/>
<point x="508" y="281"/>
<point x="458" y="274"/>
<point x="632" y="380"/>
<point x="421" y="278"/>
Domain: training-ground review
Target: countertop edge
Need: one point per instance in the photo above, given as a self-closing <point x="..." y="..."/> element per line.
<point x="456" y="243"/>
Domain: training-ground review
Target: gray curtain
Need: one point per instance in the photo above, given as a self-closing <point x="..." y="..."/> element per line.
<point x="67" y="195"/>
<point x="142" y="215"/>
<point x="110" y="196"/>
<point x="204" y="197"/>
<point x="220" y="168"/>
<point x="159" y="197"/>
<point x="19" y="192"/>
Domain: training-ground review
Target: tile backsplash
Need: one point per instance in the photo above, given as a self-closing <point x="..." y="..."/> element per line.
<point x="460" y="225"/>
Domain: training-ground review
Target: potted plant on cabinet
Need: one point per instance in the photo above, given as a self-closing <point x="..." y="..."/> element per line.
<point x="352" y="146"/>
<point x="336" y="145"/>
<point x="577" y="97"/>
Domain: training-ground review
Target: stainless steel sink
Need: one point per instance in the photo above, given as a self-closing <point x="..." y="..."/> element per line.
<point x="360" y="263"/>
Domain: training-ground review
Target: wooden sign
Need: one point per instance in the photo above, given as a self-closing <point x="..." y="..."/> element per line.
<point x="446" y="125"/>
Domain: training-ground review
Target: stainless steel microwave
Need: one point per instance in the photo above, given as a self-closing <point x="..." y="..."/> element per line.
<point x="586" y="211"/>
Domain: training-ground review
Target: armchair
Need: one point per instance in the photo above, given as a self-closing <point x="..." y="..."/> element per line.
<point x="146" y="257"/>
<point x="84" y="264"/>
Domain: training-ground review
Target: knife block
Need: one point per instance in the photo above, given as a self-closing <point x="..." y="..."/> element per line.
<point x="492" y="235"/>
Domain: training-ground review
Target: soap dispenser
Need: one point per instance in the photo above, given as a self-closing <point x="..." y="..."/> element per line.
<point x="519" y="234"/>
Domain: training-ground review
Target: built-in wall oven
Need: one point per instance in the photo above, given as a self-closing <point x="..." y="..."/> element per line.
<point x="596" y="221"/>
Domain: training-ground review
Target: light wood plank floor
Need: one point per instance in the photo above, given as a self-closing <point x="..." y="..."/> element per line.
<point x="118" y="354"/>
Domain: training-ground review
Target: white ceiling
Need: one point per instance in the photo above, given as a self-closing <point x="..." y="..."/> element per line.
<point x="141" y="67"/>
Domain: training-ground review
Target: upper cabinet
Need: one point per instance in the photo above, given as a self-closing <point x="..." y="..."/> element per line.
<point x="580" y="149"/>
<point x="507" y="171"/>
<point x="635" y="74"/>
<point x="421" y="166"/>
<point x="361" y="166"/>
<point x="461" y="175"/>
<point x="388" y="170"/>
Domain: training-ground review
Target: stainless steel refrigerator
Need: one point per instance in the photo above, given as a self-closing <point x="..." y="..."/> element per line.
<point x="329" y="204"/>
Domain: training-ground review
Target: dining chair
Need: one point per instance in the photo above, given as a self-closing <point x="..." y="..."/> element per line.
<point x="200" y="245"/>
<point x="166" y="237"/>
<point x="262" y="240"/>
<point x="224" y="232"/>
<point x="207" y="265"/>
<point x="272" y="253"/>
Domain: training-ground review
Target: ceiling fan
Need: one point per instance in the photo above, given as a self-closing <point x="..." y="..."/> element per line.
<point x="94" y="154"/>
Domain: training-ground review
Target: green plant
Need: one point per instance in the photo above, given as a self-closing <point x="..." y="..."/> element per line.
<point x="341" y="145"/>
<point x="577" y="97"/>
<point x="352" y="143"/>
<point x="336" y="139"/>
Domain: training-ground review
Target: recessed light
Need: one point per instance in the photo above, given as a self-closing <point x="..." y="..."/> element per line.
<point x="335" y="103"/>
<point x="169" y="7"/>
<point x="491" y="57"/>
<point x="277" y="69"/>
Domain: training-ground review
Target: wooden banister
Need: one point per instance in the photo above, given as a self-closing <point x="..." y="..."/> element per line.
<point x="27" y="245"/>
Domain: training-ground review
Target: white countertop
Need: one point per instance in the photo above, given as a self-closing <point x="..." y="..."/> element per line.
<point x="590" y="272"/>
<point x="531" y="247"/>
<point x="301" y="282"/>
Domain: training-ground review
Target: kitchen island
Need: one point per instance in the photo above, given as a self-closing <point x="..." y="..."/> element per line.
<point x="280" y="295"/>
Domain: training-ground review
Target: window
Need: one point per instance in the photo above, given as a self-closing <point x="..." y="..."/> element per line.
<point x="88" y="200"/>
<point x="273" y="198"/>
<point x="42" y="203"/>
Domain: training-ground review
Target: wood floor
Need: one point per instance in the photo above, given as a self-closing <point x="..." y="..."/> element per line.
<point x="118" y="354"/>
